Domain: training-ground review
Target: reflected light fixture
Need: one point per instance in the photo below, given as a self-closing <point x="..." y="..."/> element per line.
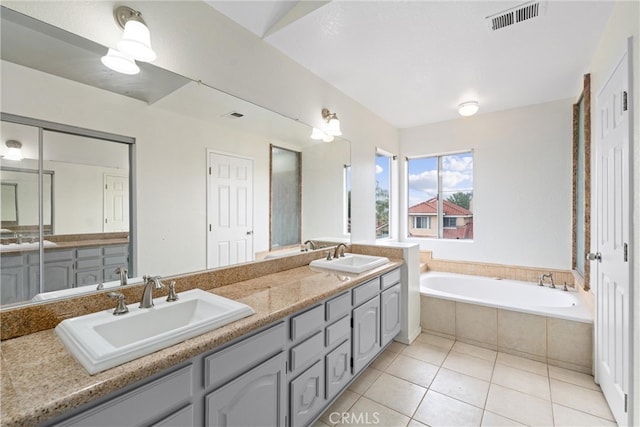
<point x="333" y="123"/>
<point x="120" y="62"/>
<point x="15" y="150"/>
<point x="468" y="108"/>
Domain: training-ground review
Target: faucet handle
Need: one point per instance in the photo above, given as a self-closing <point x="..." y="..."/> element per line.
<point x="172" y="292"/>
<point x="121" y="307"/>
<point x="329" y="257"/>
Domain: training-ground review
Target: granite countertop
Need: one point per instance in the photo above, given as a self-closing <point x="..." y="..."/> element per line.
<point x="41" y="380"/>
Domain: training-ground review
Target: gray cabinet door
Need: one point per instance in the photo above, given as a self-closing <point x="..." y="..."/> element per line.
<point x="183" y="418"/>
<point x="306" y="395"/>
<point x="390" y="301"/>
<point x="366" y="333"/>
<point x="256" y="398"/>
<point x="13" y="285"/>
<point x="338" y="369"/>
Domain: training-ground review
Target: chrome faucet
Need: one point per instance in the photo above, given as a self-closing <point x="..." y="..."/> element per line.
<point x="337" y="253"/>
<point x="544" y="276"/>
<point x="123" y="275"/>
<point x="150" y="283"/>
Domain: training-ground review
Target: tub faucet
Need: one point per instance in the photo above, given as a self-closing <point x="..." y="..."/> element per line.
<point x="150" y="283"/>
<point x="338" y="253"/>
<point x="311" y="245"/>
<point x="544" y="276"/>
<point x="123" y="275"/>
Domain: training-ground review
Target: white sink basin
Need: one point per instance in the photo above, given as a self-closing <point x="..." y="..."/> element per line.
<point x="11" y="247"/>
<point x="351" y="263"/>
<point x="101" y="340"/>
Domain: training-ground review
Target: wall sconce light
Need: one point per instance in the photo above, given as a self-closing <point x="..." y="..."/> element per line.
<point x="15" y="150"/>
<point x="134" y="45"/>
<point x="333" y="123"/>
<point x="468" y="108"/>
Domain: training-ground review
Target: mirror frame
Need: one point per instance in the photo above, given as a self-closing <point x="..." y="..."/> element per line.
<point x="585" y="99"/>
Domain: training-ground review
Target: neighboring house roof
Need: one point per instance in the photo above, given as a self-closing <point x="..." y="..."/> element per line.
<point x="431" y="207"/>
<point x="464" y="232"/>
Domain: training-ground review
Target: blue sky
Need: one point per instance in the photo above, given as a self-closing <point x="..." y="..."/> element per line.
<point x="457" y="175"/>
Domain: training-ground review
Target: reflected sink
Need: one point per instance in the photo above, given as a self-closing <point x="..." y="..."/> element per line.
<point x="351" y="263"/>
<point x="101" y="340"/>
<point x="11" y="247"/>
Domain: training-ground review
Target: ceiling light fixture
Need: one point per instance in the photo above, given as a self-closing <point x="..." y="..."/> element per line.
<point x="333" y="123"/>
<point x="15" y="150"/>
<point x="468" y="108"/>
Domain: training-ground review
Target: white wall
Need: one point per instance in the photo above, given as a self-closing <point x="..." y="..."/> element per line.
<point x="522" y="183"/>
<point x="624" y="23"/>
<point x="205" y="45"/>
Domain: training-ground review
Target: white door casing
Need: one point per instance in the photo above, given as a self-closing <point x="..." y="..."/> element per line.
<point x="116" y="203"/>
<point x="229" y="209"/>
<point x="612" y="215"/>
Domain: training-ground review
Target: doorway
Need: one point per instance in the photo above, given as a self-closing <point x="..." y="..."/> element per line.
<point x="229" y="209"/>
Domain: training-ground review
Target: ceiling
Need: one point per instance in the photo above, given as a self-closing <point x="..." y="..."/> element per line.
<point x="413" y="62"/>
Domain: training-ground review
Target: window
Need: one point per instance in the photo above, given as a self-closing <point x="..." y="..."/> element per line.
<point x="421" y="222"/>
<point x="285" y="212"/>
<point x="440" y="196"/>
<point x="347" y="195"/>
<point x="449" y="222"/>
<point x="383" y="199"/>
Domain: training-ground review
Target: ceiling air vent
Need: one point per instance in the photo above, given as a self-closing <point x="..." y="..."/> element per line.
<point x="515" y="15"/>
<point x="233" y="115"/>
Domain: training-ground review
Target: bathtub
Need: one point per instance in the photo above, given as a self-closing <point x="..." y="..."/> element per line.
<point x="514" y="317"/>
<point x="525" y="297"/>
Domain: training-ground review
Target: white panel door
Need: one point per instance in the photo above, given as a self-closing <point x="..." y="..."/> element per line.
<point x="612" y="214"/>
<point x="230" y="210"/>
<point x="116" y="203"/>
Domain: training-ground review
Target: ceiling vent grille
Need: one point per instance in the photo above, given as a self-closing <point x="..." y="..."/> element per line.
<point x="233" y="115"/>
<point x="515" y="15"/>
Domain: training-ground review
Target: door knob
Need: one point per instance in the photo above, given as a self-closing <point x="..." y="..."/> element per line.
<point x="249" y="233"/>
<point x="590" y="256"/>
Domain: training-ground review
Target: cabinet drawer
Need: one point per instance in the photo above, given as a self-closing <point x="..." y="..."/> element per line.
<point x="183" y="417"/>
<point x="390" y="279"/>
<point x="367" y="291"/>
<point x="338" y="332"/>
<point x="11" y="261"/>
<point x="307" y="322"/>
<point x="306" y="352"/>
<point x="142" y="405"/>
<point x="337" y="307"/>
<point x="50" y="256"/>
<point x="115" y="250"/>
<point x="88" y="252"/>
<point x="227" y="364"/>
<point x="115" y="260"/>
<point x="81" y="264"/>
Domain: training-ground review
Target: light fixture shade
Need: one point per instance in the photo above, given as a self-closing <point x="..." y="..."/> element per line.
<point x="120" y="62"/>
<point x="327" y="138"/>
<point x="468" y="108"/>
<point x="333" y="127"/>
<point x="136" y="41"/>
<point x="15" y="150"/>
<point x="317" y="134"/>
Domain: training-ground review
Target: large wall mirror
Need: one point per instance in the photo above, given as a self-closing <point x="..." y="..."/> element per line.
<point x="582" y="183"/>
<point x="156" y="195"/>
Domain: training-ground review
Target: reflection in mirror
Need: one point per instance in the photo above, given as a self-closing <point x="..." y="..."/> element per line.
<point x="75" y="230"/>
<point x="285" y="190"/>
<point x="175" y="130"/>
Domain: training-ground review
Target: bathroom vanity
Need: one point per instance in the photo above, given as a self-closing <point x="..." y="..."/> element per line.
<point x="312" y="334"/>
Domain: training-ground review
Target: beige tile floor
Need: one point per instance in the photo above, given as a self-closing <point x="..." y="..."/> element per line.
<point x="440" y="382"/>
